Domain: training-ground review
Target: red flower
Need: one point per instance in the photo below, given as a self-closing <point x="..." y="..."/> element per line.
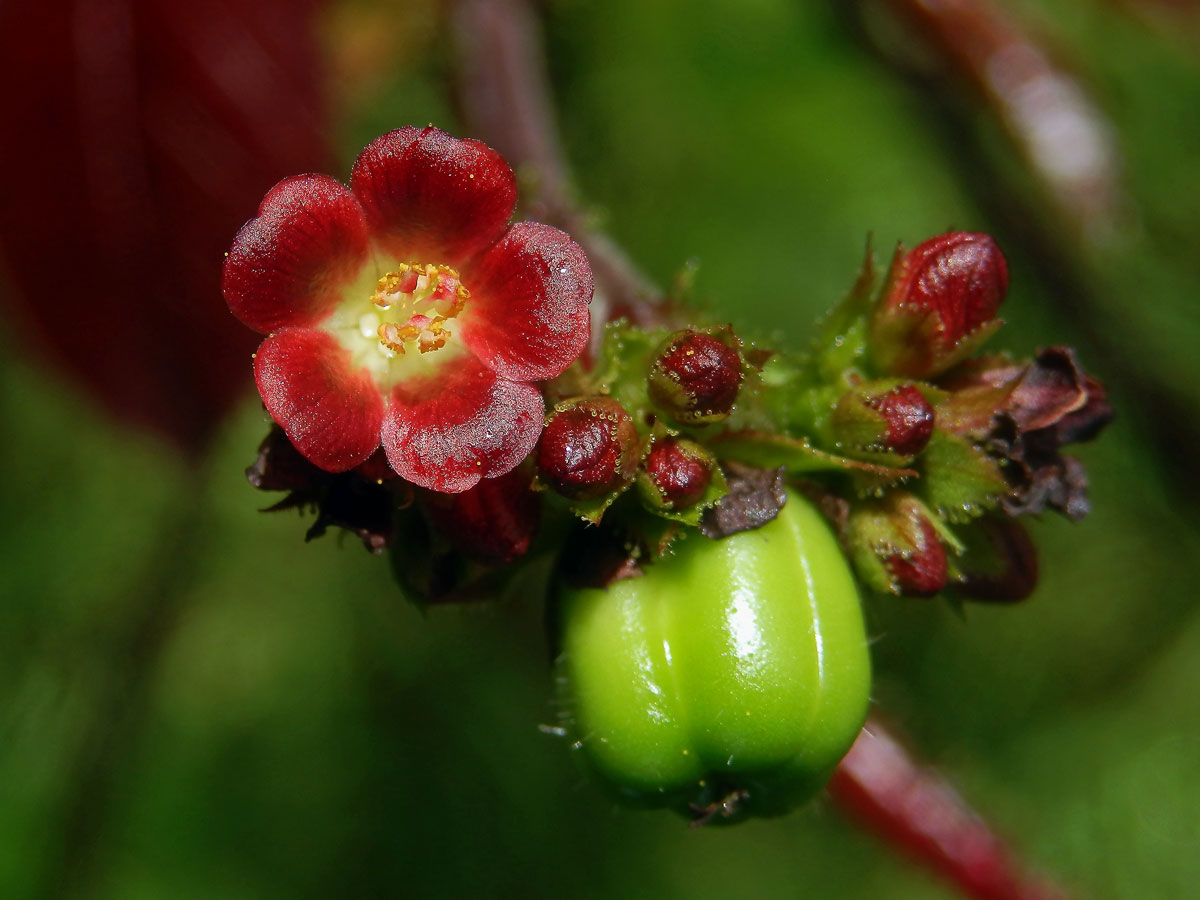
<point x="404" y="309"/>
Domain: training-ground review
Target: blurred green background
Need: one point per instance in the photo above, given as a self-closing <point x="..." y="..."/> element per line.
<point x="193" y="703"/>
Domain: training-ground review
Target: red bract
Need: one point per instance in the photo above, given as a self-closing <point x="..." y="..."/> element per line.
<point x="404" y="309"/>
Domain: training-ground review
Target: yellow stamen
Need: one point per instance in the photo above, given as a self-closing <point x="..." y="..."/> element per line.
<point x="422" y="297"/>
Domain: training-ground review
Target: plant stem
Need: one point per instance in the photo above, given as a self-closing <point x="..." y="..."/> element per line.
<point x="503" y="97"/>
<point x="914" y="809"/>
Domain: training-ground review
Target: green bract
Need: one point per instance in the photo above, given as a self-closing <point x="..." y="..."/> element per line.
<point x="733" y="667"/>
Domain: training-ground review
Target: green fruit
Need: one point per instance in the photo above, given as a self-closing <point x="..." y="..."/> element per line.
<point x="732" y="675"/>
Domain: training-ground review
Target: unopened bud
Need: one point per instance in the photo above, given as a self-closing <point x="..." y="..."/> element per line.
<point x="494" y="522"/>
<point x="896" y="547"/>
<point x="920" y="572"/>
<point x="877" y="419"/>
<point x="588" y="448"/>
<point x="696" y="375"/>
<point x="675" y="474"/>
<point x="939" y="305"/>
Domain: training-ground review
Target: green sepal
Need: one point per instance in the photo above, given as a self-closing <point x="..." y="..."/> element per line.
<point x="592" y="511"/>
<point x="958" y="480"/>
<point x="658" y="534"/>
<point x="623" y="363"/>
<point x="908" y="341"/>
<point x="784" y="395"/>
<point x="841" y="345"/>
<point x="769" y="451"/>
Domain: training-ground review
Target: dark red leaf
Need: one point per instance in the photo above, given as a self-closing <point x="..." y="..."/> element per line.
<point x="139" y="135"/>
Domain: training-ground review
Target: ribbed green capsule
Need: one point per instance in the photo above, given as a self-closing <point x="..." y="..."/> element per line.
<point x="733" y="667"/>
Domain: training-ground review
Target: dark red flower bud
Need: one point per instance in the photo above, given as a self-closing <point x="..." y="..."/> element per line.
<point x="896" y="547"/>
<point x="960" y="275"/>
<point x="495" y="521"/>
<point x="676" y="474"/>
<point x="939" y="305"/>
<point x="588" y="448"/>
<point x="877" y="419"/>
<point x="909" y="419"/>
<point x="920" y="572"/>
<point x="695" y="376"/>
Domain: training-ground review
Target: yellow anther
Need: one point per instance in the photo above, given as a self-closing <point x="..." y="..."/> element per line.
<point x="389" y="336"/>
<point x="413" y="293"/>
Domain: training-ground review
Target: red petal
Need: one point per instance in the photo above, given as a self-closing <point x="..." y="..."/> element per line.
<point x="432" y="198"/>
<point x="447" y="433"/>
<point x="329" y="411"/>
<point x="528" y="314"/>
<point x="287" y="266"/>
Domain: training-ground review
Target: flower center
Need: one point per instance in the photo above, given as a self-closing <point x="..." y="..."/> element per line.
<point x="414" y="304"/>
<point x="393" y="323"/>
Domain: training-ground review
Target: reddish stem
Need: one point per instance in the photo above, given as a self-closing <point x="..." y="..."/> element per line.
<point x="504" y="99"/>
<point x="915" y="810"/>
<point x="1064" y="138"/>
